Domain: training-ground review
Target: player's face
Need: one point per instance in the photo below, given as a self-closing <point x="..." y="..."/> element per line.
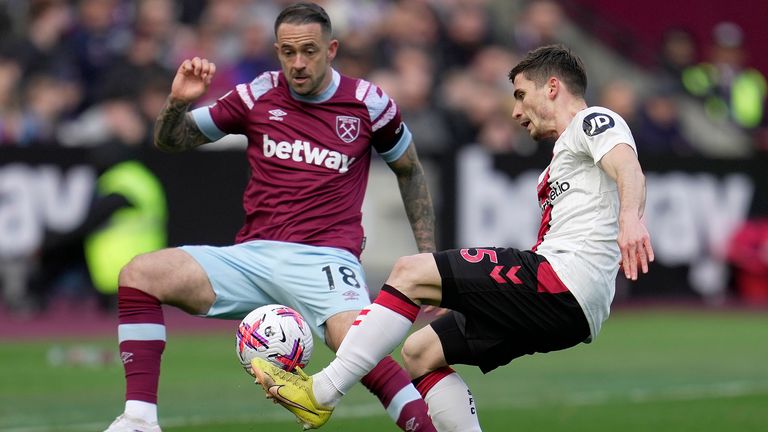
<point x="305" y="55"/>
<point x="533" y="108"/>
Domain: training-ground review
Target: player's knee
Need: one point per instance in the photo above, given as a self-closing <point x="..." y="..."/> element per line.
<point x="134" y="273"/>
<point x="422" y="352"/>
<point x="404" y="275"/>
<point x="411" y="357"/>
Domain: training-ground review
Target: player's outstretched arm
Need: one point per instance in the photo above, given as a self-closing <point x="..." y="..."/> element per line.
<point x="175" y="129"/>
<point x="634" y="241"/>
<point x="416" y="198"/>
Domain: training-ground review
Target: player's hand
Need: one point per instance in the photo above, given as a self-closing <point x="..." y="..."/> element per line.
<point x="192" y="79"/>
<point x="635" y="245"/>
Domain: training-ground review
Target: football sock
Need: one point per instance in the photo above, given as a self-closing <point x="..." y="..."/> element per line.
<point x="141" y="333"/>
<point x="391" y="384"/>
<point x="451" y="404"/>
<point x="378" y="329"/>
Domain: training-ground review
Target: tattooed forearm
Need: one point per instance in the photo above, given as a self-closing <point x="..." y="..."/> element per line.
<point x="416" y="198"/>
<point x="175" y="130"/>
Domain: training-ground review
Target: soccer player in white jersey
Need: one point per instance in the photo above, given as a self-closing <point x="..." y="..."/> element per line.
<point x="311" y="132"/>
<point x="505" y="302"/>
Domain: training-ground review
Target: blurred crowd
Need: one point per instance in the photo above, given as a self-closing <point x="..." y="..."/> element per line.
<point x="89" y="72"/>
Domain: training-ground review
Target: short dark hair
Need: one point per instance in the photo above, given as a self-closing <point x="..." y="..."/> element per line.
<point x="304" y="13"/>
<point x="553" y="60"/>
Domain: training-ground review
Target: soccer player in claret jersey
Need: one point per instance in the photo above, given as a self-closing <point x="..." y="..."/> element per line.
<point x="311" y="132"/>
<point x="506" y="302"/>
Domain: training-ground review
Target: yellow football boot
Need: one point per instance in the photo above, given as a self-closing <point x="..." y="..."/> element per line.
<point x="293" y="391"/>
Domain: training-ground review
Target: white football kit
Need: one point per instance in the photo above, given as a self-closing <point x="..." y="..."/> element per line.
<point x="580" y="206"/>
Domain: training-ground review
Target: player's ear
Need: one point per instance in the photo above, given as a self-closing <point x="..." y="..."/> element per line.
<point x="333" y="47"/>
<point x="553" y="87"/>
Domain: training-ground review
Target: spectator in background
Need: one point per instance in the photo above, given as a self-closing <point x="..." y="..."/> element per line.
<point x="222" y="21"/>
<point x="540" y="24"/>
<point x="32" y="106"/>
<point x="415" y="74"/>
<point x="157" y="21"/>
<point x="490" y="63"/>
<point x="216" y="37"/>
<point x="126" y="75"/>
<point x="410" y="23"/>
<point x="41" y="49"/>
<point x="469" y="104"/>
<point x="10" y="112"/>
<point x="498" y="134"/>
<point x="658" y="130"/>
<point x="678" y="52"/>
<point x="474" y="95"/>
<point x="37" y="76"/>
<point x="468" y="29"/>
<point x="115" y="113"/>
<point x="46" y="100"/>
<point x="731" y="91"/>
<point x="100" y="35"/>
<point x="361" y="56"/>
<point x="256" y="55"/>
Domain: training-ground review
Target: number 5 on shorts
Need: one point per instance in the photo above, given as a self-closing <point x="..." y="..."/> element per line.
<point x="479" y="255"/>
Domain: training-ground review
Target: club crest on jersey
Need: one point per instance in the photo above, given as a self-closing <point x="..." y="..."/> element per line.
<point x="596" y="123"/>
<point x="347" y="128"/>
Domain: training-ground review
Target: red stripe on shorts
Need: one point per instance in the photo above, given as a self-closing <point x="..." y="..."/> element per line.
<point x="549" y="281"/>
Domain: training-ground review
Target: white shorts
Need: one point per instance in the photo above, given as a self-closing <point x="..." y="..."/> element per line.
<point x="317" y="281"/>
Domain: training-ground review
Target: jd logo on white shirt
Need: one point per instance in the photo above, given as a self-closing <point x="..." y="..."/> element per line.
<point x="596" y="123"/>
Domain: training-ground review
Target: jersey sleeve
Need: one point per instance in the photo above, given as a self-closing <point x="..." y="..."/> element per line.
<point x="602" y="130"/>
<point x="390" y="135"/>
<point x="226" y="115"/>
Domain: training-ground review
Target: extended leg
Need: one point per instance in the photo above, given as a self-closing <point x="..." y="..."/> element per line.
<point x="169" y="276"/>
<point x="388" y="381"/>
<point x="451" y="403"/>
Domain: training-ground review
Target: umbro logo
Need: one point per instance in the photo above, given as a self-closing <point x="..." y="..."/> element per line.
<point x="411" y="425"/>
<point x="350" y="295"/>
<point x="126" y="357"/>
<point x="277" y="114"/>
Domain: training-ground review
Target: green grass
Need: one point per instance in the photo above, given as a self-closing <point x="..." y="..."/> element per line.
<point x="649" y="371"/>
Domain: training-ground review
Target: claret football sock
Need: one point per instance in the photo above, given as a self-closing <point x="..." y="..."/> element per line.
<point x="451" y="403"/>
<point x="379" y="328"/>
<point x="141" y="333"/>
<point x="391" y="384"/>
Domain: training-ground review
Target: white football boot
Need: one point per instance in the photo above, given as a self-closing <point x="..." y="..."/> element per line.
<point x="123" y="423"/>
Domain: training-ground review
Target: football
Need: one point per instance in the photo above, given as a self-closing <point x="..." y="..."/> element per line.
<point x="275" y="333"/>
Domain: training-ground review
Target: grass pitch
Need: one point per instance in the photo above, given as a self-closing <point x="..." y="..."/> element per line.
<point x="659" y="371"/>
